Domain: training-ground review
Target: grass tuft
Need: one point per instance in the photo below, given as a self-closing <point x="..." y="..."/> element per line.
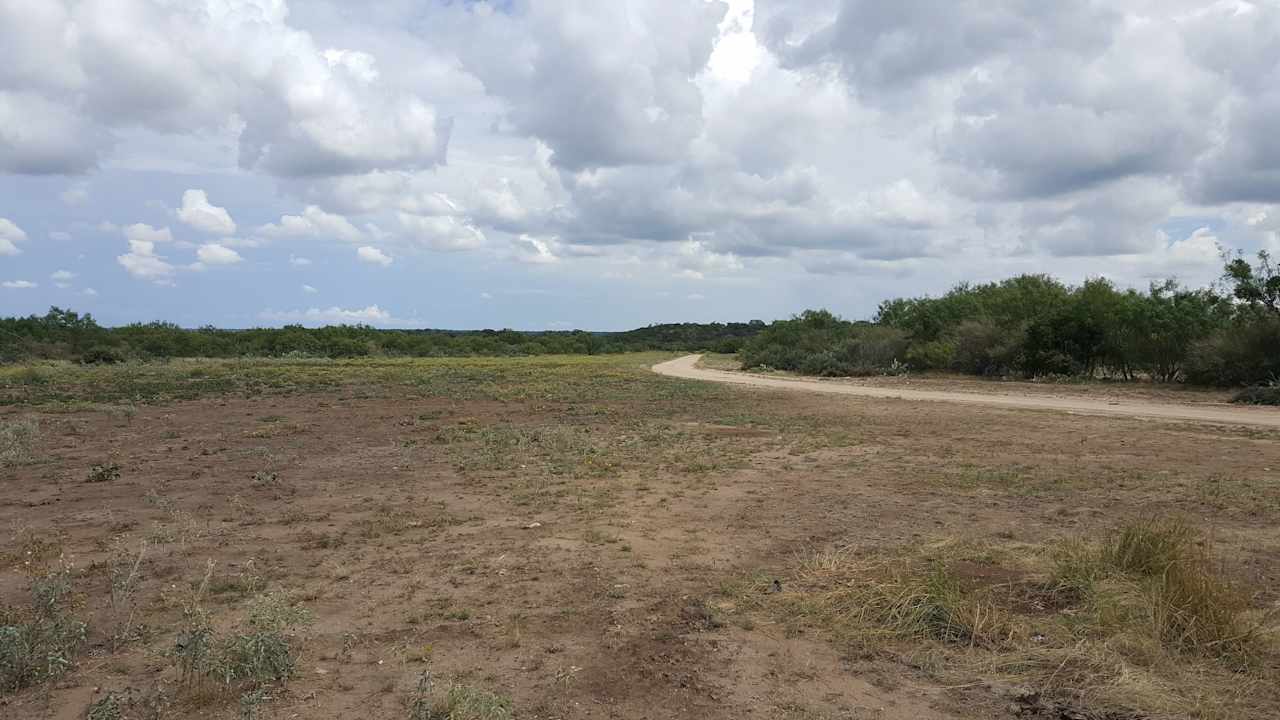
<point x="1148" y="548"/>
<point x="16" y="439"/>
<point x="1144" y="620"/>
<point x="895" y="599"/>
<point x="458" y="702"/>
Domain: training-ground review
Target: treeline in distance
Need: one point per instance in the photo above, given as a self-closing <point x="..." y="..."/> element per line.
<point x="1026" y="326"/>
<point x="1036" y="326"/>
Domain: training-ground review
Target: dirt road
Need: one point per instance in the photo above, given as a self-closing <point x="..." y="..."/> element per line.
<point x="687" y="367"/>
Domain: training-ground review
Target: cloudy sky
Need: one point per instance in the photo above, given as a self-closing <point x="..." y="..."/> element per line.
<point x="576" y="163"/>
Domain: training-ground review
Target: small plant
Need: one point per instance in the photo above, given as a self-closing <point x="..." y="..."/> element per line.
<point x="124" y="578"/>
<point x="266" y="479"/>
<point x="192" y="648"/>
<point x="130" y="704"/>
<point x="104" y="473"/>
<point x="39" y="643"/>
<point x="16" y="439"/>
<point x="261" y="654"/>
<point x="250" y="701"/>
<point x="110" y="707"/>
<point x="1191" y="605"/>
<point x="421" y="704"/>
<point x="1149" y="548"/>
<point x="1194" y="609"/>
<point x="464" y="702"/>
<point x="460" y="702"/>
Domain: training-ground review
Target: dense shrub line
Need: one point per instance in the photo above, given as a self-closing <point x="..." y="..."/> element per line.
<point x="1036" y="326"/>
<point x="66" y="335"/>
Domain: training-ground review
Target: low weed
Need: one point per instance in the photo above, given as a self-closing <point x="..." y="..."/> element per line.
<point x="262" y="652"/>
<point x="264" y="479"/>
<point x="896" y="599"/>
<point x="457" y="702"/>
<point x="1148" y="548"/>
<point x="39" y="642"/>
<point x="125" y="575"/>
<point x="130" y="704"/>
<point x="16" y="439"/>
<point x="1122" y="621"/>
<point x="106" y="472"/>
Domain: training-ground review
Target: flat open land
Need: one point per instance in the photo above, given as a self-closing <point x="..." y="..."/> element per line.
<point x="579" y="537"/>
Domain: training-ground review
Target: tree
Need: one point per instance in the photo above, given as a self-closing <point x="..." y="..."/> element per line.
<point x="1258" y="284"/>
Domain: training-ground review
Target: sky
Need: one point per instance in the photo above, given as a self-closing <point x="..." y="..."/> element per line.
<point x="551" y="164"/>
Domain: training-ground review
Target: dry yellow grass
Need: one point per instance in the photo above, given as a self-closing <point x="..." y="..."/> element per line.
<point x="1144" y="621"/>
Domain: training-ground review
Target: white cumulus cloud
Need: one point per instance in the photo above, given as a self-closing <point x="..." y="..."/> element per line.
<point x="19" y="284"/>
<point x="373" y="256"/>
<point x="371" y="315"/>
<point x="215" y="254"/>
<point x="314" y="223"/>
<point x="202" y="215"/>
<point x="141" y="261"/>
<point x="442" y="232"/>
<point x="10" y="236"/>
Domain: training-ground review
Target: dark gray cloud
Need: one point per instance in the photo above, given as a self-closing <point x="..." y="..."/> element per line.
<point x="893" y="47"/>
<point x="1242" y="46"/>
<point x="602" y="84"/>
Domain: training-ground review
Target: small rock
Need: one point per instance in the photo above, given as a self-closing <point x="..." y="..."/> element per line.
<point x="533" y="525"/>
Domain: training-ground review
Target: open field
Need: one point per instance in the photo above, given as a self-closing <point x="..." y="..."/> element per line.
<point x="578" y="537"/>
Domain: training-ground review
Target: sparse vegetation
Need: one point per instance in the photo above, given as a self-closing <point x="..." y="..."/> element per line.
<point x="1259" y="395"/>
<point x="568" y="516"/>
<point x="39" y="642"/>
<point x="16" y="438"/>
<point x="125" y="569"/>
<point x="107" y="472"/>
<point x="263" y="651"/>
<point x="457" y="702"/>
<point x="1121" y="618"/>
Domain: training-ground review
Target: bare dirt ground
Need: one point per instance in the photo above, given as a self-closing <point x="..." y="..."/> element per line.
<point x="584" y="537"/>
<point x="1155" y="405"/>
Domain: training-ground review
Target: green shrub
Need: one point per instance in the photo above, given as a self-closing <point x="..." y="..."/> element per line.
<point x="459" y="702"/>
<point x="983" y="348"/>
<point x="1259" y="395"/>
<point x="102" y="355"/>
<point x="262" y="652"/>
<point x="817" y="342"/>
<point x="935" y="355"/>
<point x="1244" y="353"/>
<point x="39" y="642"/>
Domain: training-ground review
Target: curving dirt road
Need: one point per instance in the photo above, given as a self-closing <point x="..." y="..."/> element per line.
<point x="687" y="367"/>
